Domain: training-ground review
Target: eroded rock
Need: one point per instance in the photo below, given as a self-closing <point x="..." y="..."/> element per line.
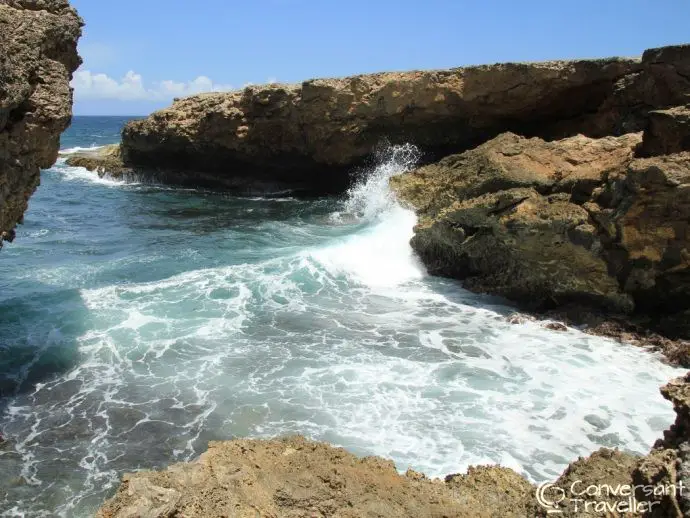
<point x="313" y="133"/>
<point x="38" y="54"/>
<point x="294" y="477"/>
<point x="578" y="221"/>
<point x="509" y="218"/>
<point x="285" y="477"/>
<point x="105" y="161"/>
<point x="668" y="131"/>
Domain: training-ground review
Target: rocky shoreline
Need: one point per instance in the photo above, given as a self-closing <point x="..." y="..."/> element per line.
<point x="35" y="96"/>
<point x="294" y="477"/>
<point x="312" y="135"/>
<point x="576" y="228"/>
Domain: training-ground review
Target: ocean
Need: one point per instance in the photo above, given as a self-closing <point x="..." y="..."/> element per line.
<point x="138" y="322"/>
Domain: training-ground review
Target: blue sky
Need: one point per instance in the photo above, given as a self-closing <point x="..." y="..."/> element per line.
<point x="138" y="55"/>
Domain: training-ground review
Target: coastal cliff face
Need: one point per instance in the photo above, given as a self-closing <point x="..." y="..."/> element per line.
<point x="38" y="54"/>
<point x="294" y="477"/>
<point x="311" y="134"/>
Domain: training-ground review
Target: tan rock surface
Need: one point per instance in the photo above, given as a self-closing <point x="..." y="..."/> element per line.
<point x="508" y="218"/>
<point x="293" y="477"/>
<point x="38" y="53"/>
<point x="312" y="134"/>
<point x="314" y="131"/>
<point x="549" y="224"/>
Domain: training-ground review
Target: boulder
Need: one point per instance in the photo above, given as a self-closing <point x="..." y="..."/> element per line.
<point x="38" y="54"/>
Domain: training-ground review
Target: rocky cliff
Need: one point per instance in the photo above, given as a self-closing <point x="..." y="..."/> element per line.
<point x="38" y="53"/>
<point x="313" y="135"/>
<point x="294" y="477"/>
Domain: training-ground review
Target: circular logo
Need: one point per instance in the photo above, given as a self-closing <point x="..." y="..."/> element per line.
<point x="549" y="496"/>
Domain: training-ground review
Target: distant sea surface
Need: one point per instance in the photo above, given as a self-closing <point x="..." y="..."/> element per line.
<point x="138" y="322"/>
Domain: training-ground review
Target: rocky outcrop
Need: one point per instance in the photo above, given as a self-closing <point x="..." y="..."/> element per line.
<point x="299" y="478"/>
<point x="105" y="161"/>
<point x="38" y="53"/>
<point x="294" y="477"/>
<point x="579" y="221"/>
<point x="311" y="134"/>
<point x="668" y="131"/>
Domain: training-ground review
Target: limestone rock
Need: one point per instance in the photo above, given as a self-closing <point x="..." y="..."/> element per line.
<point x="604" y="467"/>
<point x="662" y="81"/>
<point x="494" y="491"/>
<point x="290" y="477"/>
<point x="38" y="54"/>
<point x="668" y="131"/>
<point x="576" y="221"/>
<point x="294" y="477"/>
<point x="508" y="218"/>
<point x="652" y="246"/>
<point x="105" y="160"/>
<point x="312" y="133"/>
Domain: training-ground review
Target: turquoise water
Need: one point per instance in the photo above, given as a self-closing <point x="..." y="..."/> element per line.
<point x="138" y="322"/>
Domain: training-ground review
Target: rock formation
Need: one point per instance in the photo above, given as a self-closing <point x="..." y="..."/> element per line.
<point x="38" y="53"/>
<point x="104" y="160"/>
<point x="293" y="133"/>
<point x="578" y="221"/>
<point x="668" y="131"/>
<point x="311" y="135"/>
<point x="294" y="477"/>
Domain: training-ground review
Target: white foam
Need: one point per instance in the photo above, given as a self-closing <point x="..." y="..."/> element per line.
<point x="371" y="196"/>
<point x="77" y="149"/>
<point x="81" y="174"/>
<point x="379" y="256"/>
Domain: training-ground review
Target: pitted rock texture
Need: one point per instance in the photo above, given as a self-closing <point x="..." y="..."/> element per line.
<point x="296" y="478"/>
<point x="577" y="221"/>
<point x="38" y="54"/>
<point x="311" y="133"/>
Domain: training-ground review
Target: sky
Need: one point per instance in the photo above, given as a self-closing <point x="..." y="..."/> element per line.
<point x="139" y="55"/>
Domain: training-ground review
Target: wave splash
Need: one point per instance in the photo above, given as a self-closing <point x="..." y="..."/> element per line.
<point x="370" y="196"/>
<point x="379" y="255"/>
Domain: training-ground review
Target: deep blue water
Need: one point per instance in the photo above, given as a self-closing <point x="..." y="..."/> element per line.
<point x="138" y="322"/>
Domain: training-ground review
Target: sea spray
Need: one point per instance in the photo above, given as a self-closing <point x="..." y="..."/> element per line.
<point x="370" y="195"/>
